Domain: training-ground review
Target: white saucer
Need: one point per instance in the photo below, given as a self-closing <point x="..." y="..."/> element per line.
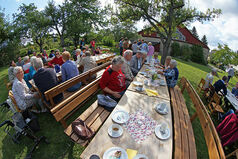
<point x="120" y="131"/>
<point x="110" y="152"/>
<point x="120" y="117"/>
<point x="138" y="156"/>
<point x="137" y="83"/>
<point x="159" y="108"/>
<point x="159" y="134"/>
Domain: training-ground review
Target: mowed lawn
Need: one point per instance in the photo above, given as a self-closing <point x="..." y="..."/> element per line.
<point x="61" y="147"/>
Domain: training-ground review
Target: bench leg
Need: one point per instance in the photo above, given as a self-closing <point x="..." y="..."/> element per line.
<point x="64" y="124"/>
<point x="194" y="116"/>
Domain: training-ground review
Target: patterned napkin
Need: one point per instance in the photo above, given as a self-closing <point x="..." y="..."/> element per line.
<point x="140" y="126"/>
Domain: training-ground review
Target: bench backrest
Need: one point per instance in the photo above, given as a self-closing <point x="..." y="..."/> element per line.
<point x="51" y="93"/>
<point x="213" y="142"/>
<point x="71" y="103"/>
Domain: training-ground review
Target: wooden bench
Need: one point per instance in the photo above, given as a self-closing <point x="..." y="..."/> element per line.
<point x="94" y="116"/>
<point x="61" y="88"/>
<point x="213" y="142"/>
<point x="184" y="142"/>
<point x="201" y="85"/>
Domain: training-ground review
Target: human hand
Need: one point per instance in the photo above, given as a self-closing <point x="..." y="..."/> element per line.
<point x="36" y="95"/>
<point x="116" y="95"/>
<point x="160" y="72"/>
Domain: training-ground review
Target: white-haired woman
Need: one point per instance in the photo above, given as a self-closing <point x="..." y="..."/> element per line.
<point x="172" y="74"/>
<point x="32" y="71"/>
<point x="22" y="94"/>
<point x="27" y="64"/>
<point x="150" y="53"/>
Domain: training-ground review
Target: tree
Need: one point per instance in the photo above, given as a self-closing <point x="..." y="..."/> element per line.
<point x="32" y="24"/>
<point x="163" y="15"/>
<point x="58" y="18"/>
<point x="224" y="56"/>
<point x="83" y="16"/>
<point x="194" y="32"/>
<point x="9" y="40"/>
<point x="204" y="39"/>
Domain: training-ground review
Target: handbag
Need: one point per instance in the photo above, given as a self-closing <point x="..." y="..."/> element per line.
<point x="106" y="102"/>
<point x="82" y="130"/>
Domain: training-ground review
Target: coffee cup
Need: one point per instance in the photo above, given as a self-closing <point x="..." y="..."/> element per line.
<point x="115" y="129"/>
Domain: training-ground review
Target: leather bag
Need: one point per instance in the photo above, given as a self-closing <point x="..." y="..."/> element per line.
<point x="82" y="130"/>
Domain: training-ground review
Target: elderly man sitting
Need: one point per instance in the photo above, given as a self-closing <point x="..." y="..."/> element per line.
<point x="126" y="70"/>
<point x="113" y="80"/>
<point x="136" y="62"/>
<point x="69" y="70"/>
<point x="45" y="79"/>
<point x="22" y="94"/>
<point x="171" y="74"/>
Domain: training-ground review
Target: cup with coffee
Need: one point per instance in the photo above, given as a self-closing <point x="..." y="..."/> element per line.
<point x="115" y="129"/>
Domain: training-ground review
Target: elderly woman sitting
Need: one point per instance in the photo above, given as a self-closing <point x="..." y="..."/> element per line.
<point x="171" y="74"/>
<point x="88" y="63"/>
<point x="22" y="94"/>
<point x="27" y="64"/>
<point x="113" y="80"/>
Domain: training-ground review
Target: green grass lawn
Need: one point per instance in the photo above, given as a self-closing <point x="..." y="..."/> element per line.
<point x="61" y="147"/>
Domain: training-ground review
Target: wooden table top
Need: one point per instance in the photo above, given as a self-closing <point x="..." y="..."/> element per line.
<point x="161" y="90"/>
<point x="152" y="147"/>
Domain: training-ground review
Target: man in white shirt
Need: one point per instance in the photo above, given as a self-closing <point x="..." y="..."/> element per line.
<point x="209" y="78"/>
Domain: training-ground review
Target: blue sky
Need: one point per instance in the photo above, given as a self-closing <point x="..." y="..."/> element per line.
<point x="222" y="30"/>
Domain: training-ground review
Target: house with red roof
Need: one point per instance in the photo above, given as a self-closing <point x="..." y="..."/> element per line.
<point x="182" y="36"/>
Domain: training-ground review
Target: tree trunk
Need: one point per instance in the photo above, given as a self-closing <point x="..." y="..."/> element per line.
<point x="165" y="53"/>
<point x="62" y="41"/>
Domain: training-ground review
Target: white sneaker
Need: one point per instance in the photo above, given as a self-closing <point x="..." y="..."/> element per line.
<point x="44" y="110"/>
<point x="35" y="111"/>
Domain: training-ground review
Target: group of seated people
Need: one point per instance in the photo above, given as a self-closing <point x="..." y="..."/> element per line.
<point x="228" y="128"/>
<point x="122" y="71"/>
<point x="45" y="77"/>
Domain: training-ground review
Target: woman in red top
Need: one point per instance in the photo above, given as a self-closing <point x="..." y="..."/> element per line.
<point x="56" y="60"/>
<point x="113" y="80"/>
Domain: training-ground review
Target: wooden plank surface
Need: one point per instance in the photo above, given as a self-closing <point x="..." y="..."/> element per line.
<point x="161" y="90"/>
<point x="151" y="147"/>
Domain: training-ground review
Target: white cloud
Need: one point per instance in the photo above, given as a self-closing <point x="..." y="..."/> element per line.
<point x="58" y="2"/>
<point x="223" y="29"/>
<point x="18" y="0"/>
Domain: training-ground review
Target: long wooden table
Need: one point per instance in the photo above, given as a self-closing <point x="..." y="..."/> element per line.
<point x="161" y="90"/>
<point x="152" y="147"/>
<point x="232" y="99"/>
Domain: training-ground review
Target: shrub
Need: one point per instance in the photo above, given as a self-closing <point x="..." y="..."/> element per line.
<point x="186" y="53"/>
<point x="108" y="40"/>
<point x="197" y="54"/>
<point x="175" y="49"/>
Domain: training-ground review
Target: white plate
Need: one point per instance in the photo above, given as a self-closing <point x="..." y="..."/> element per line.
<point x="162" y="108"/>
<point x="137" y="83"/>
<point x="110" y="152"/>
<point x="120" y="131"/>
<point x="143" y="73"/>
<point x="120" y="117"/>
<point x="160" y="135"/>
<point x="162" y="83"/>
<point x="139" y="89"/>
<point x="138" y="156"/>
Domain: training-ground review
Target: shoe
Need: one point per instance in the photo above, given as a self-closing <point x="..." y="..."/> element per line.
<point x="35" y="111"/>
<point x="44" y="110"/>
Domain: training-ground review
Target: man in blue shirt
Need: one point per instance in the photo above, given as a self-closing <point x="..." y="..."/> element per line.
<point x="69" y="70"/>
<point x="235" y="90"/>
<point x="144" y="47"/>
<point x="221" y="85"/>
